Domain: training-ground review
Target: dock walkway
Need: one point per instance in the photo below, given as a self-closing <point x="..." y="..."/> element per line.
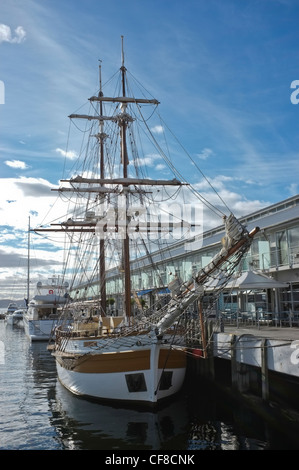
<point x="271" y="332"/>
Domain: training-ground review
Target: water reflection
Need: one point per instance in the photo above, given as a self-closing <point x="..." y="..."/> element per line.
<point x="219" y="421"/>
<point x="87" y="425"/>
<point x="213" y="422"/>
<point x="37" y="412"/>
<point x="27" y="379"/>
<point x="193" y="421"/>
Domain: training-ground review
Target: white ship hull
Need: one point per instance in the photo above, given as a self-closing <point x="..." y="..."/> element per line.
<point x="39" y="330"/>
<point x="143" y="375"/>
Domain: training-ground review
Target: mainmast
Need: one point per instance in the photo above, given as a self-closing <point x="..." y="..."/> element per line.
<point x="28" y="263"/>
<point x="123" y="122"/>
<point x="101" y="137"/>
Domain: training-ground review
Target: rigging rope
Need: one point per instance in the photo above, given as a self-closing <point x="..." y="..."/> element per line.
<point x="213" y="208"/>
<point x="195" y="164"/>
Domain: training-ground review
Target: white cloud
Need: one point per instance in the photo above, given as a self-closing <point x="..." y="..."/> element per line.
<point x="160" y="166"/>
<point x="148" y="161"/>
<point x="205" y="153"/>
<point x="157" y="130"/>
<point x="218" y="183"/>
<point x="293" y="189"/>
<point x="13" y="268"/>
<point x="16" y="164"/>
<point x="6" y="35"/>
<point x="20" y="196"/>
<point x="71" y="154"/>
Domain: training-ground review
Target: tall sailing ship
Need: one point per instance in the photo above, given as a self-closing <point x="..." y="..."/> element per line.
<point x="136" y="355"/>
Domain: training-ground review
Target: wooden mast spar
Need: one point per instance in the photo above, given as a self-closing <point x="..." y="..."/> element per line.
<point x="101" y="138"/>
<point x="124" y="159"/>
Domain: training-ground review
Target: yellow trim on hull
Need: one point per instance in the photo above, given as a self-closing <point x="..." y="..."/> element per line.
<point x="171" y="359"/>
<point x="121" y="361"/>
<point x="126" y="361"/>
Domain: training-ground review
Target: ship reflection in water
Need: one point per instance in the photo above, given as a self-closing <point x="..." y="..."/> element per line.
<point x="190" y="422"/>
<point x="88" y="425"/>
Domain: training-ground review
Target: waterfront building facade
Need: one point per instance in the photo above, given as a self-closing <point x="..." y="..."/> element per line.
<point x="274" y="252"/>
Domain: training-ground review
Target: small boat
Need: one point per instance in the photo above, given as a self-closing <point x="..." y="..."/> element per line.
<point x="15" y="318"/>
<point x="42" y="313"/>
<point x="137" y="356"/>
<point x="12" y="307"/>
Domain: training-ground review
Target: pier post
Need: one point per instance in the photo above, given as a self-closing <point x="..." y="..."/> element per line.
<point x="240" y="372"/>
<point x="234" y="369"/>
<point x="210" y="336"/>
<point x="264" y="369"/>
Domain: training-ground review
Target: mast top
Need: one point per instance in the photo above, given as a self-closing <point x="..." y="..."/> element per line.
<point x="100" y="78"/>
<point x="122" y="53"/>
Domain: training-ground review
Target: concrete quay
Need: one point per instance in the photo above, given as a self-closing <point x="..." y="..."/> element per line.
<point x="271" y="332"/>
<point x="255" y="354"/>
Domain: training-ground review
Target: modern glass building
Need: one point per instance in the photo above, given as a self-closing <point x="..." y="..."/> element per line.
<point x="274" y="252"/>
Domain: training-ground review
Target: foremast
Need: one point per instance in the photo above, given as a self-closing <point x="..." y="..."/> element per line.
<point x="102" y="268"/>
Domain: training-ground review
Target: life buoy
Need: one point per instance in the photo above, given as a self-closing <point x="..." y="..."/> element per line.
<point x="51" y="292"/>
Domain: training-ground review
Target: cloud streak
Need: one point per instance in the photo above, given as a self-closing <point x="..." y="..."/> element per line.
<point x="16" y="164"/>
<point x="70" y="154"/>
<point x="7" y="36"/>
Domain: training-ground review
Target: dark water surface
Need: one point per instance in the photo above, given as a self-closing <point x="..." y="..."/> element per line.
<point x="37" y="413"/>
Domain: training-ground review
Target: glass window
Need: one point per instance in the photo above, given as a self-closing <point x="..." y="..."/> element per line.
<point x="294" y="237"/>
<point x="282" y="247"/>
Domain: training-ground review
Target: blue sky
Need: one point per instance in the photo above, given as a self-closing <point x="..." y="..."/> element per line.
<point x="222" y="70"/>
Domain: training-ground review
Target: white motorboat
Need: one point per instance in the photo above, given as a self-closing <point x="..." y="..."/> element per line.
<point x="12" y="307"/>
<point x="41" y="317"/>
<point x="15" y="318"/>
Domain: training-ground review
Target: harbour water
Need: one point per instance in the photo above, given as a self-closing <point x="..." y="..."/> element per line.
<point x="37" y="413"/>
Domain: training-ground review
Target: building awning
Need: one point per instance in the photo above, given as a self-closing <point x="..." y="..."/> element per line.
<point x="161" y="290"/>
<point x="145" y="291"/>
<point x="252" y="280"/>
